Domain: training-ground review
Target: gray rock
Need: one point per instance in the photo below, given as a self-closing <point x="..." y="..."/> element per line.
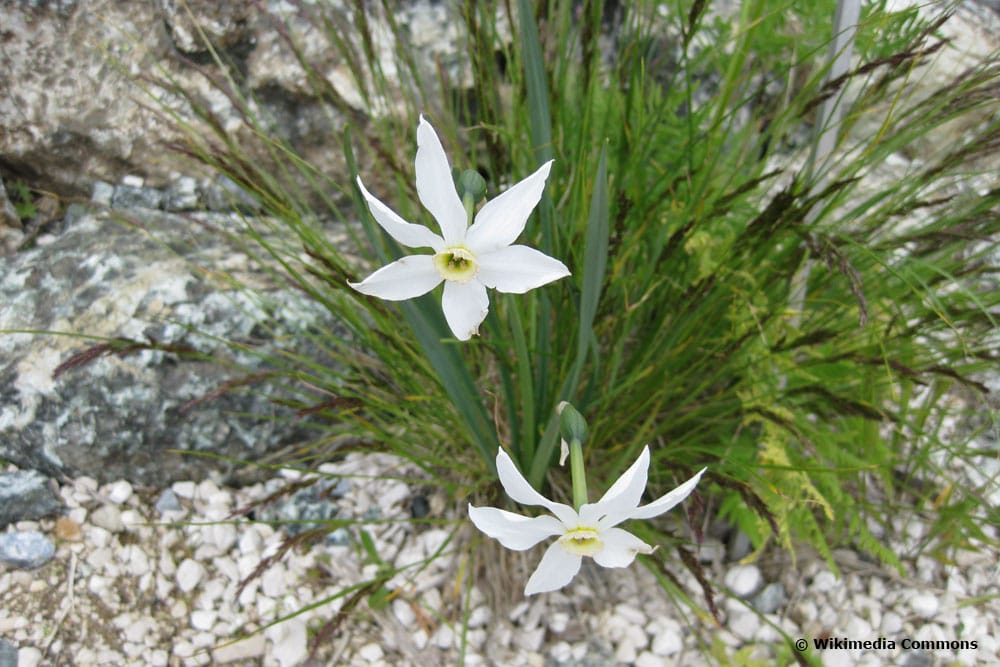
<point x="917" y="658"/>
<point x="102" y="193"/>
<point x="711" y="550"/>
<point x="770" y="598"/>
<point x="181" y="195"/>
<point x="419" y="506"/>
<point x="339" y="537"/>
<point x="8" y="654"/>
<point x="168" y="502"/>
<point x="114" y="416"/>
<point x="72" y="116"/>
<point x="306" y="508"/>
<point x="26" y="495"/>
<point x="738" y="545"/>
<point x="195" y="26"/>
<point x="130" y="196"/>
<point x="27" y="549"/>
<point x="225" y="195"/>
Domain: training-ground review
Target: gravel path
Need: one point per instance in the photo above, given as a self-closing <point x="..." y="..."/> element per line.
<point x="126" y="586"/>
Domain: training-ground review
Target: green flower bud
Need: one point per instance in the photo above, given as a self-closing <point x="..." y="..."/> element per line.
<point x="470" y="183"/>
<point x="572" y="425"/>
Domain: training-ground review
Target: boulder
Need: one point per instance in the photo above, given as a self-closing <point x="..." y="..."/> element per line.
<point x="68" y="408"/>
<point x="83" y="81"/>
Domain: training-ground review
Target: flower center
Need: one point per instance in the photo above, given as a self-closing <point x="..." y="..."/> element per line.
<point x="456" y="263"/>
<point x="582" y="541"/>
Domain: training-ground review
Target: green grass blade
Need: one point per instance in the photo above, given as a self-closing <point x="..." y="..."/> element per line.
<point x="539" y="112"/>
<point x="595" y="264"/>
<point x="595" y="259"/>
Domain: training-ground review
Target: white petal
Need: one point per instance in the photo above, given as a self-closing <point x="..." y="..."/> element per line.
<point x="407" y="233"/>
<point x="556" y="569"/>
<point x="518" y="268"/>
<point x="436" y="187"/>
<point x="502" y="219"/>
<point x="519" y="490"/>
<point x="620" y="548"/>
<point x="667" y="501"/>
<point x="618" y="503"/>
<point x="514" y="531"/>
<point x="465" y="306"/>
<point x="405" y="278"/>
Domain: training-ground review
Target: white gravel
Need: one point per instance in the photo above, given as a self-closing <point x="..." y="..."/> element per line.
<point x="130" y="588"/>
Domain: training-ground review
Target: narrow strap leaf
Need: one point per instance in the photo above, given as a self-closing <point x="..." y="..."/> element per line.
<point x="595" y="265"/>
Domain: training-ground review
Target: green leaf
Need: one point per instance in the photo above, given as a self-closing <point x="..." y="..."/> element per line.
<point x="595" y="265"/>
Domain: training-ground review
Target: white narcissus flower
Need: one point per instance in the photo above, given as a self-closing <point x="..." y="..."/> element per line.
<point x="589" y="532"/>
<point x="467" y="258"/>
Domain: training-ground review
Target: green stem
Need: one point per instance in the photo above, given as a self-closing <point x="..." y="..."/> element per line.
<point x="470" y="207"/>
<point x="578" y="474"/>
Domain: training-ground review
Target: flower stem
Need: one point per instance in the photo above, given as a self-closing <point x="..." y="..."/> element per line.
<point x="578" y="474"/>
<point x="469" y="202"/>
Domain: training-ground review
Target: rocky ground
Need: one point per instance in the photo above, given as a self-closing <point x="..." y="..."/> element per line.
<point x="123" y="574"/>
<point x="131" y="576"/>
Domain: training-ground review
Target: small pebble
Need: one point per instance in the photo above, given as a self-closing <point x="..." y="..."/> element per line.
<point x="770" y="598"/>
<point x="824" y="581"/>
<point x="67" y="529"/>
<point x="892" y="624"/>
<point x="744" y="580"/>
<point x="29" y="656"/>
<point x="109" y="518"/>
<point x="189" y="573"/>
<point x="371" y="652"/>
<point x="924" y="605"/>
<point x="203" y="619"/>
<point x="289" y="641"/>
<point x="667" y="638"/>
<point x="745" y="625"/>
<point x="250" y="649"/>
<point x="118" y="492"/>
<point x="647" y="659"/>
<point x="168" y="502"/>
<point x="26" y="495"/>
<point x="27" y="550"/>
<point x="184" y="489"/>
